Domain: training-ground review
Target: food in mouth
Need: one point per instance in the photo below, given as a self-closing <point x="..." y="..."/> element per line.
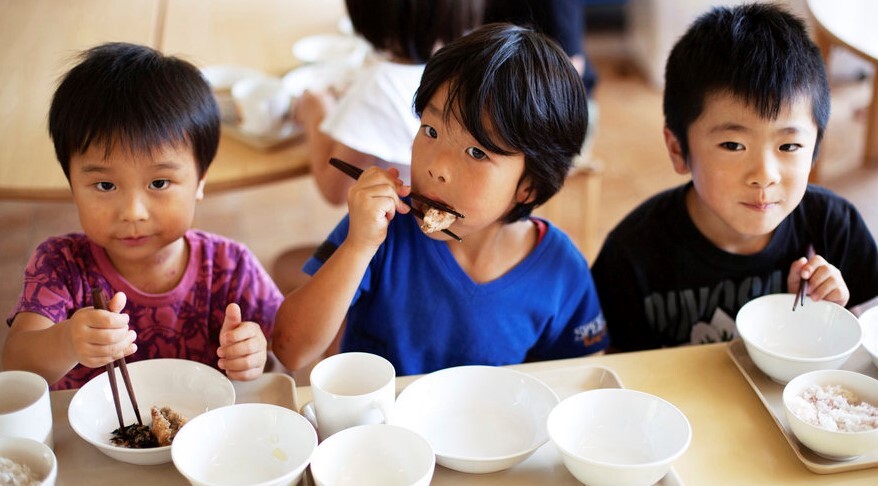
<point x="436" y="220"/>
<point x="165" y="425"/>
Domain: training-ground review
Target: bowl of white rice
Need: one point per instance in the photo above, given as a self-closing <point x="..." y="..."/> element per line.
<point x="834" y="412"/>
<point x="26" y="462"/>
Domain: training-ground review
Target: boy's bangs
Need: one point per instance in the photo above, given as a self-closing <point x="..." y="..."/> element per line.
<point x="475" y="109"/>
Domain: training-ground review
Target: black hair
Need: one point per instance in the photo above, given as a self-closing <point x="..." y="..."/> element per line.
<point x="137" y="97"/>
<point x="412" y="29"/>
<point x="758" y="53"/>
<point x="515" y="91"/>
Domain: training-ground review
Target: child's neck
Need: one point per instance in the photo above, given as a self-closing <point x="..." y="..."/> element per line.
<point x="494" y="251"/>
<point x="158" y="273"/>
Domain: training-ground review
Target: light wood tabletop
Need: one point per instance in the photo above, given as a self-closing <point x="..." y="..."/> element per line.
<point x="48" y="35"/>
<point x="851" y="24"/>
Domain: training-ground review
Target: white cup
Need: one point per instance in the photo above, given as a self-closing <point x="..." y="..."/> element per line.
<point x="351" y="389"/>
<point x="262" y="104"/>
<point x="25" y="409"/>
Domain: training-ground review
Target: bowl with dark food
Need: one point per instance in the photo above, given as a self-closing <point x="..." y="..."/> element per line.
<point x="784" y="343"/>
<point x="249" y="443"/>
<point x="169" y="392"/>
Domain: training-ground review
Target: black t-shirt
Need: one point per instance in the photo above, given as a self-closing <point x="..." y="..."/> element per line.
<point x="662" y="283"/>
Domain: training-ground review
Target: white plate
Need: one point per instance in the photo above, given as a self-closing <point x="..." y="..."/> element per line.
<point x="223" y="76"/>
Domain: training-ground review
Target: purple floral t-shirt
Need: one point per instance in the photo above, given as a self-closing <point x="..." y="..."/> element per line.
<point x="182" y="323"/>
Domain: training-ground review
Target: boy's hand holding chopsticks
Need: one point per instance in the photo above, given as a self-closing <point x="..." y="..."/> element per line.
<point x="98" y="337"/>
<point x="372" y="202"/>
<point x="824" y="280"/>
<point x="243" y="348"/>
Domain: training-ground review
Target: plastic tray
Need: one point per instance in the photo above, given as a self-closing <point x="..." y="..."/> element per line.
<point x="771" y="395"/>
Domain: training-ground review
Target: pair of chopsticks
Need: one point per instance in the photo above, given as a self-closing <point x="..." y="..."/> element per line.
<point x="803" y="284"/>
<point x="354" y="173"/>
<point x="100" y="303"/>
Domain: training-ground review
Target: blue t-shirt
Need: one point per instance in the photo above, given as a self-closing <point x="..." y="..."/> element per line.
<point x="416" y="307"/>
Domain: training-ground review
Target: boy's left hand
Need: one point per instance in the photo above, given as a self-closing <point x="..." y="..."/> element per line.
<point x="824" y="280"/>
<point x="243" y="347"/>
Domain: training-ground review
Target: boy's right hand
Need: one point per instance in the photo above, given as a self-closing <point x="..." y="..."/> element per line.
<point x="372" y="203"/>
<point x="98" y="337"/>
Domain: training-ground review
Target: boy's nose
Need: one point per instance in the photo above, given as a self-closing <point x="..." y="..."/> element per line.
<point x="134" y="208"/>
<point x="765" y="171"/>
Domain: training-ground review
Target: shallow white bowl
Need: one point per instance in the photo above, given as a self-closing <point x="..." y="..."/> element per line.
<point x="831" y="444"/>
<point x="615" y="436"/>
<point x="478" y="419"/>
<point x="250" y="443"/>
<point x="189" y="388"/>
<point x="331" y="48"/>
<point x="373" y="455"/>
<point x="784" y="343"/>
<point x="33" y="454"/>
<point x="224" y="76"/>
<point x="869" y="321"/>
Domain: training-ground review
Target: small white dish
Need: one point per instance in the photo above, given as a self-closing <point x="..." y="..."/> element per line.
<point x="784" y="343"/>
<point x="251" y="443"/>
<point x="33" y="454"/>
<point x="478" y="419"/>
<point x="223" y="76"/>
<point x="373" y="455"/>
<point x="348" y="50"/>
<point x="188" y="387"/>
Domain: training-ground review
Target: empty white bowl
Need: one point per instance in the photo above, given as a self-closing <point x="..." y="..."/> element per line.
<point x="373" y="455"/>
<point x="478" y="419"/>
<point x="188" y="387"/>
<point x="615" y="436"/>
<point x="784" y="343"/>
<point x="332" y="48"/>
<point x="869" y="321"/>
<point x="245" y="444"/>
<point x="832" y="444"/>
<point x="33" y="454"/>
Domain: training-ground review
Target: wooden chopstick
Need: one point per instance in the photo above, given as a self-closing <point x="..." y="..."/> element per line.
<point x="100" y="303"/>
<point x="803" y="284"/>
<point x="354" y="173"/>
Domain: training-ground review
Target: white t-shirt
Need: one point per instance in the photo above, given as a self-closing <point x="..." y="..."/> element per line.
<point x="375" y="116"/>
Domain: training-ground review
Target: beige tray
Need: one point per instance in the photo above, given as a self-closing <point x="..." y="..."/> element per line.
<point x="546" y="466"/>
<point x="771" y="394"/>
<point x="80" y="463"/>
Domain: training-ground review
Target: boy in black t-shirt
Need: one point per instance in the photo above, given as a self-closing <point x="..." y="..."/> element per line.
<point x="746" y="104"/>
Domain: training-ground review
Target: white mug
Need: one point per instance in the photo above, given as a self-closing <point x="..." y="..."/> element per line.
<point x="351" y="389"/>
<point x="262" y="104"/>
<point x="25" y="409"/>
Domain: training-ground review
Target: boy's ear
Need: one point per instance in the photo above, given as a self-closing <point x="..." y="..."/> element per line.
<point x="525" y="192"/>
<point x="675" y="151"/>
<point x="199" y="191"/>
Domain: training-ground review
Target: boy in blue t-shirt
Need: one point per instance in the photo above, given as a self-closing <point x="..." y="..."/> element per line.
<point x="502" y="114"/>
<point x="746" y="104"/>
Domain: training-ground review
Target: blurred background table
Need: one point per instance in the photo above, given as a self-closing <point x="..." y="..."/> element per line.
<point x="851" y="24"/>
<point x="44" y="36"/>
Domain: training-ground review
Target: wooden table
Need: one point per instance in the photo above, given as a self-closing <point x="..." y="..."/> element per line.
<point x="734" y="439"/>
<point x="851" y="24"/>
<point x="42" y="38"/>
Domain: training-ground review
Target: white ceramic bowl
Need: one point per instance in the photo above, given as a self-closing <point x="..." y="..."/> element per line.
<point x="188" y="387"/>
<point x="373" y="455"/>
<point x="616" y="436"/>
<point x="784" y="343"/>
<point x="832" y="444"/>
<point x="478" y="419"/>
<point x="250" y="443"/>
<point x="869" y="321"/>
<point x="38" y="457"/>
<point x="223" y="76"/>
<point x="332" y="48"/>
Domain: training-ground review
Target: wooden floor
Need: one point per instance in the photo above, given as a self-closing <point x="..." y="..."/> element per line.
<point x="628" y="143"/>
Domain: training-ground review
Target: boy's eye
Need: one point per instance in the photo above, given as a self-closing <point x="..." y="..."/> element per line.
<point x="160" y="184"/>
<point x="476" y="153"/>
<point x="104" y="186"/>
<point x="790" y="147"/>
<point x="429" y="131"/>
<point x="733" y="146"/>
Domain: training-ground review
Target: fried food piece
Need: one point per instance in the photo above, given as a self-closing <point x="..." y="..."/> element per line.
<point x="165" y="424"/>
<point x="437" y="220"/>
<point x="134" y="436"/>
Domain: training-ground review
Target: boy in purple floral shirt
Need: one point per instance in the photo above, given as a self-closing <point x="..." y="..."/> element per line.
<point x="135" y="133"/>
